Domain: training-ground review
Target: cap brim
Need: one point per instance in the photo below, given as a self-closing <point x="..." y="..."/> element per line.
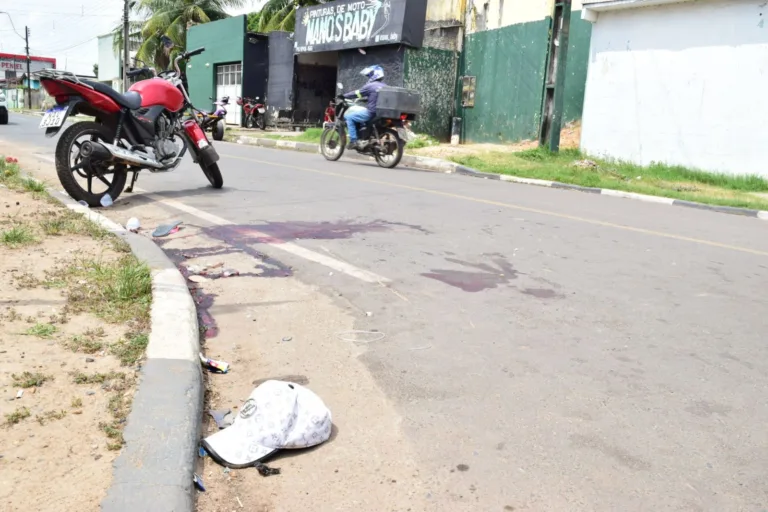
<point x="230" y="447"/>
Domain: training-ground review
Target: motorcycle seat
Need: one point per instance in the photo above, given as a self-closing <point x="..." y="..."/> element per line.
<point x="130" y="100"/>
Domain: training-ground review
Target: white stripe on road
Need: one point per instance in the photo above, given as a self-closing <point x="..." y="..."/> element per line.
<point x="289" y="247"/>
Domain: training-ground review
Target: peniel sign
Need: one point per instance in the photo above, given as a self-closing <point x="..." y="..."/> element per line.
<point x="347" y="24"/>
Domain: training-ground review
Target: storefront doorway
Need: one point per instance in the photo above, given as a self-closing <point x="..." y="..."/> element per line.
<point x="315" y="85"/>
<point x="229" y="82"/>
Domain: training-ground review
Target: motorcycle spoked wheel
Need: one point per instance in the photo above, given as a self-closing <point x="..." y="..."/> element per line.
<point x="101" y="178"/>
<point x="333" y="142"/>
<point x="390" y="150"/>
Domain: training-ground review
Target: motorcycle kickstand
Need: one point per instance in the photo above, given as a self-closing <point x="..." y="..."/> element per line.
<point x="133" y="182"/>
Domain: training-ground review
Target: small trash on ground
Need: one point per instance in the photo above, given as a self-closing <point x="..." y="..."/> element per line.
<point x="19" y="394"/>
<point x="265" y="470"/>
<point x="236" y="497"/>
<point x="214" y="366"/>
<point x="90" y="360"/>
<point x="106" y="201"/>
<point x="201" y="452"/>
<point x="223" y="417"/>
<point x="368" y="313"/>
<point x="284" y="414"/>
<point x="166" y="229"/>
<point x="229" y="273"/>
<point x="198" y="279"/>
<point x="90" y="393"/>
<point x="198" y="482"/>
<point x="83" y="203"/>
<point x="585" y="164"/>
<point x="226" y="471"/>
<point x="361" y="337"/>
<point x="133" y="224"/>
<point x="287" y="338"/>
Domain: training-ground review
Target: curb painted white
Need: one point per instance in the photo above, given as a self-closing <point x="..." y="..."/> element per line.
<point x="174" y="318"/>
<point x="526" y="181"/>
<point x="639" y="197"/>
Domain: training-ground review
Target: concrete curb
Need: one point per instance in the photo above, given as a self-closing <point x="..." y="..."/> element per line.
<point x="155" y="468"/>
<point x="444" y="166"/>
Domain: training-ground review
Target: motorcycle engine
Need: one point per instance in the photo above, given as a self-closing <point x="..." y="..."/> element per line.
<point x="164" y="145"/>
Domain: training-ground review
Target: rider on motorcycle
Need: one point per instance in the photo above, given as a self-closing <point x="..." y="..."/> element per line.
<point x="359" y="114"/>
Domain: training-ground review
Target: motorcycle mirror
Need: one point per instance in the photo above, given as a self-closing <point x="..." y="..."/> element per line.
<point x="339" y="85"/>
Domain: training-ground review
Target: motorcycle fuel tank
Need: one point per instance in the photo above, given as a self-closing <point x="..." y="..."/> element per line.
<point x="157" y="91"/>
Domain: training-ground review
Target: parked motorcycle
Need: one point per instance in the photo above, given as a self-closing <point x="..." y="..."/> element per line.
<point x="383" y="137"/>
<point x="142" y="129"/>
<point x="216" y="119"/>
<point x="255" y="112"/>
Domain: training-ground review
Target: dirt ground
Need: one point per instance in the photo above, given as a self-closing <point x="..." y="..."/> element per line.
<point x="54" y="454"/>
<point x="570" y="137"/>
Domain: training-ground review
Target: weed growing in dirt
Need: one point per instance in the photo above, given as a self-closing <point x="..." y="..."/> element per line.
<point x="30" y="380"/>
<point x="41" y="330"/>
<point x="114" y="433"/>
<point x="32" y="185"/>
<point x="87" y="343"/>
<point x="18" y="236"/>
<point x="11" y="315"/>
<point x="76" y="403"/>
<point x="96" y="378"/>
<point x="50" y="416"/>
<point x="130" y="350"/>
<point x="21" y="413"/>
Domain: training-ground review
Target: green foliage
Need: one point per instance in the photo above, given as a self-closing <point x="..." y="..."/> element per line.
<point x="277" y="15"/>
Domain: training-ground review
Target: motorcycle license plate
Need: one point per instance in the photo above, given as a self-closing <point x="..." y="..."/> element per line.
<point x="402" y="133"/>
<point x="54" y="118"/>
<point x="261" y="110"/>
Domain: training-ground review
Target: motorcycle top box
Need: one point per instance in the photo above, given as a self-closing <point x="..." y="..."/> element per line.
<point x="396" y="102"/>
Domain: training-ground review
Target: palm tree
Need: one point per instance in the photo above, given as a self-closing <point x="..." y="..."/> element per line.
<point x="170" y="19"/>
<point x="277" y="15"/>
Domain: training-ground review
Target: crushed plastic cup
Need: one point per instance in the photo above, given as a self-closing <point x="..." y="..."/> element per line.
<point x="83" y="203"/>
<point x="106" y="200"/>
<point x="133" y="224"/>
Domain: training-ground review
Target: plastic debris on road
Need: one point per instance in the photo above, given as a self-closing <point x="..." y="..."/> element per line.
<point x="83" y="203"/>
<point x="167" y="229"/>
<point x="133" y="224"/>
<point x="106" y="201"/>
<point x="223" y="417"/>
<point x="198" y="482"/>
<point x="214" y="366"/>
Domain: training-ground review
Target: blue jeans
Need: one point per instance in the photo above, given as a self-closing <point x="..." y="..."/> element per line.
<point x="356" y="114"/>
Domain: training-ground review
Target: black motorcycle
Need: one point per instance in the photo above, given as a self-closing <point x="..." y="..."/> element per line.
<point x="383" y="137"/>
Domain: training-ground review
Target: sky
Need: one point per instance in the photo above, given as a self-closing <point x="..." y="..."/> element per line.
<point x="65" y="29"/>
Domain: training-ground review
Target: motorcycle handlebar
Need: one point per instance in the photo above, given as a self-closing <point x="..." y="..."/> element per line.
<point x="194" y="52"/>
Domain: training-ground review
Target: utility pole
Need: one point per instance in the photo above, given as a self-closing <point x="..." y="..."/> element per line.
<point x="29" y="76"/>
<point x="554" y="85"/>
<point x="125" y="45"/>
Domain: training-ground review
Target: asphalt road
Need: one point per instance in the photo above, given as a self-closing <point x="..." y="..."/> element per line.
<point x="547" y="349"/>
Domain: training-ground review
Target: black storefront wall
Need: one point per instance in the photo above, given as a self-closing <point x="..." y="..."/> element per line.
<point x="256" y="65"/>
<point x="348" y="24"/>
<point x="281" y="65"/>
<point x="351" y="62"/>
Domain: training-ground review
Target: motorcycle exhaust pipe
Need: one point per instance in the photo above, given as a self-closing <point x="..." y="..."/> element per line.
<point x="95" y="151"/>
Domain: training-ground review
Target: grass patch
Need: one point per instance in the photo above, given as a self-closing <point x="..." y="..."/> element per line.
<point x="76" y="403"/>
<point x="50" y="416"/>
<point x="114" y="433"/>
<point x="41" y="330"/>
<point x="308" y="135"/>
<point x="67" y="222"/>
<point x="32" y="185"/>
<point x="118" y="291"/>
<point x="30" y="380"/>
<point x="130" y="350"/>
<point x="422" y="141"/>
<point x="572" y="166"/>
<point x="18" y="236"/>
<point x="97" y="378"/>
<point x="20" y="414"/>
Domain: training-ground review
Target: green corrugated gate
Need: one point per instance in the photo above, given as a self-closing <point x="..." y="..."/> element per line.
<point x="509" y="65"/>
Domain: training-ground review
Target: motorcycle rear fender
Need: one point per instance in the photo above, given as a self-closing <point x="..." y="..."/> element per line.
<point x="72" y="104"/>
<point x="199" y="145"/>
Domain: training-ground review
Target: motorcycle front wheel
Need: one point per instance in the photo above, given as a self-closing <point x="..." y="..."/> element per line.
<point x="333" y="141"/>
<point x="213" y="174"/>
<point x="82" y="179"/>
<point x="390" y="151"/>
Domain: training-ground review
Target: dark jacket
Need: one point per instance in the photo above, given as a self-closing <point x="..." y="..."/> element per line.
<point x="370" y="91"/>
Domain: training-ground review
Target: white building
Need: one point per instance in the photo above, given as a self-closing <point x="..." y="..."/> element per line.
<point x="110" y="63"/>
<point x="679" y="82"/>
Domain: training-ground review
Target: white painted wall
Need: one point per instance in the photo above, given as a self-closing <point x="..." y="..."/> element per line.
<point x="109" y="63"/>
<point x="681" y="84"/>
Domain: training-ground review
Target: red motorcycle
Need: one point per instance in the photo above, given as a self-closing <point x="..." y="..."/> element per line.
<point x="254" y="112"/>
<point x="143" y="129"/>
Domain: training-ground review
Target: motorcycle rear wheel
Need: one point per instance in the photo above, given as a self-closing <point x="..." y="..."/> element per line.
<point x="392" y="158"/>
<point x="67" y="159"/>
<point x="218" y="130"/>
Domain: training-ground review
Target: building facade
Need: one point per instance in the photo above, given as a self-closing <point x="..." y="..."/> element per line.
<point x="681" y="84"/>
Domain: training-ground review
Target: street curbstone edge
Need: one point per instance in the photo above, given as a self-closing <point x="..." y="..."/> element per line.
<point x="444" y="166"/>
<point x="155" y="469"/>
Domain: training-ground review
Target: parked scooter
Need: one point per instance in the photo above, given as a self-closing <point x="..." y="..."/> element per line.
<point x="255" y="112"/>
<point x="383" y="137"/>
<point x="216" y="119"/>
<point x="142" y="129"/>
